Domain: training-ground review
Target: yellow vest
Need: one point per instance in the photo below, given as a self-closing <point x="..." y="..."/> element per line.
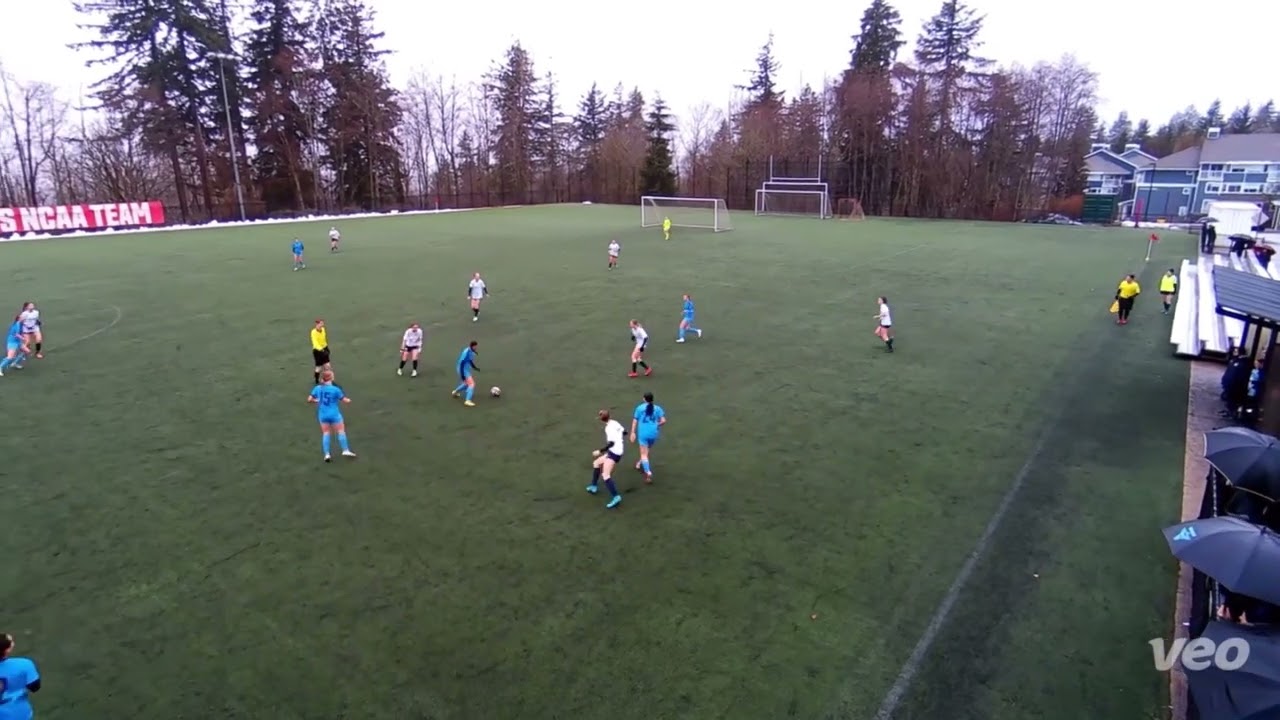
<point x="1129" y="289"/>
<point x="1168" y="284"/>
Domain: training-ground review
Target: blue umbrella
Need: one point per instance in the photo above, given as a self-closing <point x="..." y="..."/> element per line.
<point x="1240" y="555"/>
<point x="1248" y="459"/>
<point x="1248" y="692"/>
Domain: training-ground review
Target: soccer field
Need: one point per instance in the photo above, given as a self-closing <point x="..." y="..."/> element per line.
<point x="176" y="548"/>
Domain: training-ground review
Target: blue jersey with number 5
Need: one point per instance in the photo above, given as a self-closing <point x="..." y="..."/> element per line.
<point x="329" y="398"/>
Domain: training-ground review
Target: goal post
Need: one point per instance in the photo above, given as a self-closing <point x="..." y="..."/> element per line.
<point x="804" y="203"/>
<point x="702" y="213"/>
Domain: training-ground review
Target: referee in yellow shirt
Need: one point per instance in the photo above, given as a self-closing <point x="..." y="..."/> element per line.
<point x="320" y="348"/>
<point x="1126" y="293"/>
<point x="1168" y="288"/>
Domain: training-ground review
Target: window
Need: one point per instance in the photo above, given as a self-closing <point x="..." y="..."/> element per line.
<point x="1273" y="173"/>
<point x="1238" y="169"/>
<point x="1211" y="171"/>
<point x="1186" y="191"/>
<point x="1191" y="173"/>
<point x="1213" y="188"/>
<point x="1250" y="188"/>
<point x="1204" y="207"/>
<point x="1182" y="211"/>
<point x="1231" y="189"/>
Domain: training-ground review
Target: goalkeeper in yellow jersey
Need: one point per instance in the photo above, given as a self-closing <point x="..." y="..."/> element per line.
<point x="666" y="228"/>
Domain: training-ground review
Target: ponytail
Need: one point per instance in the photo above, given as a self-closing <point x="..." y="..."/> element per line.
<point x="648" y="408"/>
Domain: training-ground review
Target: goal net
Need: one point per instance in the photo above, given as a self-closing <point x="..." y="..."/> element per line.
<point x="704" y="213"/>
<point x="804" y="203"/>
<point x="850" y="209"/>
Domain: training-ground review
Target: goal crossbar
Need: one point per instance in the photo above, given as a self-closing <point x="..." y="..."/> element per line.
<point x="701" y="213"/>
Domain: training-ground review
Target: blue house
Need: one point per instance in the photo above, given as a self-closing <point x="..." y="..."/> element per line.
<point x="1242" y="168"/>
<point x="1110" y="173"/>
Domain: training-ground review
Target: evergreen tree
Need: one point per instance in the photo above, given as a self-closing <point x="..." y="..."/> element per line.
<point x="657" y="177"/>
<point x="1142" y="134"/>
<point x="945" y="51"/>
<point x="548" y="150"/>
<point x="1241" y="120"/>
<point x="1212" y="117"/>
<point x="762" y="90"/>
<point x="512" y="88"/>
<point x="879" y="38"/>
<point x="589" y="127"/>
<point x="1121" y="132"/>
<point x="276" y="55"/>
<point x="163" y="80"/>
<point x="361" y="119"/>
<point x="1264" y="120"/>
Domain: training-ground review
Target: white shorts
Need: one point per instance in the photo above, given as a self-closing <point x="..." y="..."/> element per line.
<point x="640" y="346"/>
<point x="613" y="255"/>
<point x="886" y="326"/>
<point x="30" y="329"/>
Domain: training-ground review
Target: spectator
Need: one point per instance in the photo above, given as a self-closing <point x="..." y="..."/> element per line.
<point x="1211" y="239"/>
<point x="1240" y="243"/>
<point x="1234" y="381"/>
<point x="1264" y="252"/>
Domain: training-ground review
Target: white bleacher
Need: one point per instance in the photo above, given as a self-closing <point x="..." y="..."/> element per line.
<point x="1209" y="322"/>
<point x="1197" y="326"/>
<point x="1185" y="336"/>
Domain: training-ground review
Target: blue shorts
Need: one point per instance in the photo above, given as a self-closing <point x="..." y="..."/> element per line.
<point x="330" y="418"/>
<point x="464" y="376"/>
<point x="647" y="441"/>
<point x="688" y="319"/>
<point x="13" y="346"/>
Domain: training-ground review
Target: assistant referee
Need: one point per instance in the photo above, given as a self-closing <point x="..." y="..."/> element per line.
<point x="320" y="348"/>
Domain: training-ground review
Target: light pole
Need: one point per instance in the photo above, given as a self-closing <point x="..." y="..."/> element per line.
<point x="231" y="139"/>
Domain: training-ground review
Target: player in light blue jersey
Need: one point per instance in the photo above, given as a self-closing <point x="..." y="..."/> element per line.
<point x="646" y="426"/>
<point x="15" y="347"/>
<point x="466" y="368"/>
<point x="330" y="399"/>
<point x="298" y="262"/>
<point x="18" y="679"/>
<point x="686" y="319"/>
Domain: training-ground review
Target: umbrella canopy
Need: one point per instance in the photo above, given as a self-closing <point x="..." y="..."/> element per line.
<point x="1243" y="556"/>
<point x="1246" y="458"/>
<point x="1249" y="692"/>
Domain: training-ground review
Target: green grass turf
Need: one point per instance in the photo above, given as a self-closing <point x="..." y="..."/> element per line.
<point x="175" y="547"/>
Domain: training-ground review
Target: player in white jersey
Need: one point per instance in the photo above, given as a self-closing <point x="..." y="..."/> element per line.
<point x="31" y="327"/>
<point x="884" y="328"/>
<point x="607" y="457"/>
<point x="641" y="339"/>
<point x="410" y="348"/>
<point x="476" y="291"/>
<point x="614" y="249"/>
<point x="334" y="237"/>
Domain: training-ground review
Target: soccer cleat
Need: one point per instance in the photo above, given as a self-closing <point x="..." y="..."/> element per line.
<point x="614" y="502"/>
<point x="348" y="453"/>
<point x="638" y="466"/>
<point x="593" y="489"/>
<point x="475" y="318"/>
<point x="469" y="404"/>
<point x="413" y="374"/>
<point x="1" y="373"/>
<point x="39" y="356"/>
<point x="328" y="458"/>
<point x="399" y="371"/>
<point x="455" y="393"/>
<point x="648" y="479"/>
<point x="679" y="340"/>
<point x="631" y="374"/>
<point x="295" y="269"/>
<point x="648" y="372"/>
<point x="699" y="332"/>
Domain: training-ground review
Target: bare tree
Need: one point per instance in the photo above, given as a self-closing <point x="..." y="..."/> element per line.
<point x="33" y="117"/>
<point x="695" y="141"/>
<point x="449" y="117"/>
<point x="418" y="131"/>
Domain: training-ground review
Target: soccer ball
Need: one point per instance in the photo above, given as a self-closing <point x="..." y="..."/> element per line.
<point x="495" y="391"/>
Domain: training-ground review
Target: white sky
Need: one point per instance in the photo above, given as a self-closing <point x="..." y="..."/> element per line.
<point x="696" y="52"/>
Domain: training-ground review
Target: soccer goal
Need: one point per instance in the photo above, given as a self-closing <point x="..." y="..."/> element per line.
<point x="850" y="209"/>
<point x="703" y="213"/>
<point x="804" y="203"/>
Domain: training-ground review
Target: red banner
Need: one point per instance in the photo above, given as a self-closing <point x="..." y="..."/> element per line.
<point x="98" y="216"/>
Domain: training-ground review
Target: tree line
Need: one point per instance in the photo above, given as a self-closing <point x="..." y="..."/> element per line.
<point x="293" y="98"/>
